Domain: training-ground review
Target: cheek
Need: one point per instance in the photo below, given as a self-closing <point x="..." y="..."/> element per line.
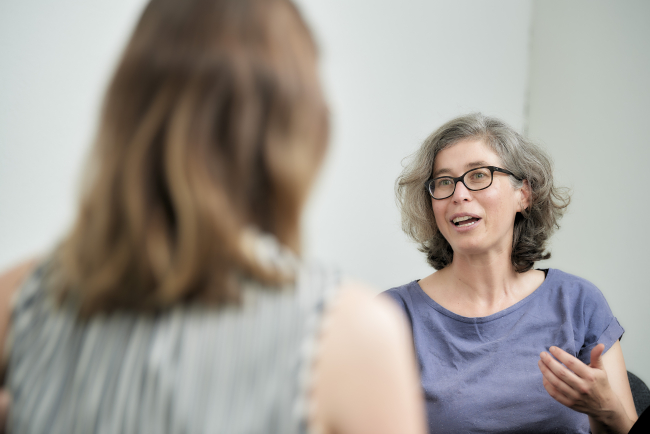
<point x="501" y="209"/>
<point x="498" y="203"/>
<point x="438" y="213"/>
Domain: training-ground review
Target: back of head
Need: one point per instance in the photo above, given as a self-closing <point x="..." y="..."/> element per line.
<point x="214" y="121"/>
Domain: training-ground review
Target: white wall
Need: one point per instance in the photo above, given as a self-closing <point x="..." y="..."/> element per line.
<point x="55" y="59"/>
<point x="394" y="71"/>
<point x="589" y="106"/>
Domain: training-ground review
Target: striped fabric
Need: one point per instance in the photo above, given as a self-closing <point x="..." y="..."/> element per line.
<point x="192" y="369"/>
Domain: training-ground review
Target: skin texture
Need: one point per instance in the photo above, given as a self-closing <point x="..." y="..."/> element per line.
<point x="10" y="281"/>
<point x="496" y="206"/>
<point x="481" y="279"/>
<point x="366" y="379"/>
<point x="600" y="389"/>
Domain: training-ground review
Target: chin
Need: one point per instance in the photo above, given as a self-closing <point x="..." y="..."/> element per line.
<point x="470" y="248"/>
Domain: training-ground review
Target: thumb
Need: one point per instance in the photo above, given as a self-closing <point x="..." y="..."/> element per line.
<point x="596" y="359"/>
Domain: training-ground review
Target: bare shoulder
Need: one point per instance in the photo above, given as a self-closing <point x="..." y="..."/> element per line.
<point x="358" y="308"/>
<point x="10" y="281"/>
<point x="360" y="325"/>
<point x="13" y="277"/>
<point x="365" y="324"/>
<point x="365" y="376"/>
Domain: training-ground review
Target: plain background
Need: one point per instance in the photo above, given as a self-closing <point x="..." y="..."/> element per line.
<point x="573" y="75"/>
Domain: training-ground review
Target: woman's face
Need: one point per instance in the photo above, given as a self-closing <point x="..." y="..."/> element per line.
<point x="491" y="212"/>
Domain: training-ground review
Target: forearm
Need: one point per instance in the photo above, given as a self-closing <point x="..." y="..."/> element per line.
<point x="620" y="415"/>
<point x="600" y="390"/>
<point x="614" y="421"/>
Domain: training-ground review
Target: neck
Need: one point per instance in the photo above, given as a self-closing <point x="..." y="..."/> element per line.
<point x="478" y="286"/>
<point x="487" y="281"/>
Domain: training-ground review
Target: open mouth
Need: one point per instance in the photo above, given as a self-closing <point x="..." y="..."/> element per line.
<point x="465" y="221"/>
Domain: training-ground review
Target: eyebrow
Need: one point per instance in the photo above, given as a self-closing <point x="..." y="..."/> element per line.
<point x="468" y="166"/>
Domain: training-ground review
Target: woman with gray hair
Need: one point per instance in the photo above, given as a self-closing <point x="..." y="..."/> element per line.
<point x="480" y="201"/>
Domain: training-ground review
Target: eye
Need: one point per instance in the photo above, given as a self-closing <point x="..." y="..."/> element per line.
<point x="444" y="182"/>
<point x="478" y="176"/>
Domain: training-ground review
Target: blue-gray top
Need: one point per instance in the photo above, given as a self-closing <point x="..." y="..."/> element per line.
<point x="481" y="374"/>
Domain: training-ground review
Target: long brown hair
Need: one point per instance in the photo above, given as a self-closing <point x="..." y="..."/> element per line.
<point x="214" y="121"/>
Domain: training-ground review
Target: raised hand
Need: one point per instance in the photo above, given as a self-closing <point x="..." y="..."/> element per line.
<point x="576" y="385"/>
<point x="584" y="388"/>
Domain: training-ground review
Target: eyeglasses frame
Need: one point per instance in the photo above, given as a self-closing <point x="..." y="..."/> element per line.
<point x="461" y="178"/>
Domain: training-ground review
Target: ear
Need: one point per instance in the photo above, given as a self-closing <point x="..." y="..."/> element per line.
<point x="524" y="196"/>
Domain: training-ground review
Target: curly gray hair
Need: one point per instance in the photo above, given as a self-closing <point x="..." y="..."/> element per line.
<point x="533" y="227"/>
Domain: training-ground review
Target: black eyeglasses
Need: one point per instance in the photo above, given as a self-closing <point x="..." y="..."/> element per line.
<point x="475" y="180"/>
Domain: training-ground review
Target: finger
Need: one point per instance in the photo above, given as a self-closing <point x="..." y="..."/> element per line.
<point x="596" y="357"/>
<point x="557" y="383"/>
<point x="574" y="364"/>
<point x="563" y="372"/>
<point x="557" y="394"/>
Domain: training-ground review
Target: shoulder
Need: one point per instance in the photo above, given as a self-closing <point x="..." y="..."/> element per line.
<point x="570" y="285"/>
<point x="364" y="346"/>
<point x="315" y="284"/>
<point x="10" y="281"/>
<point x="13" y="277"/>
<point x="588" y="311"/>
<point x="357" y="310"/>
<point x="402" y="295"/>
<point x="581" y="295"/>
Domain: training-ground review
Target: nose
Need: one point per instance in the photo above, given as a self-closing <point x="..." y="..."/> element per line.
<point x="461" y="193"/>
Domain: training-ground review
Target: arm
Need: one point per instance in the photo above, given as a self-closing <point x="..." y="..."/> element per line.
<point x="366" y="379"/>
<point x="10" y="281"/>
<point x="600" y="389"/>
<point x="617" y="375"/>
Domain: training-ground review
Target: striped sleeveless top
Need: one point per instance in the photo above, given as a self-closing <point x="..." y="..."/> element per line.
<point x="191" y="369"/>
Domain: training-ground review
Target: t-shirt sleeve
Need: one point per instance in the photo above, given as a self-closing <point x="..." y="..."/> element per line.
<point x="599" y="324"/>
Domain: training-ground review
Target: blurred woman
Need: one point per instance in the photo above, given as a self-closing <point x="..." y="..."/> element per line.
<point x="481" y="202"/>
<point x="178" y="303"/>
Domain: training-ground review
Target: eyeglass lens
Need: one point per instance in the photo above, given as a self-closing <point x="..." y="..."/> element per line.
<point x="476" y="179"/>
